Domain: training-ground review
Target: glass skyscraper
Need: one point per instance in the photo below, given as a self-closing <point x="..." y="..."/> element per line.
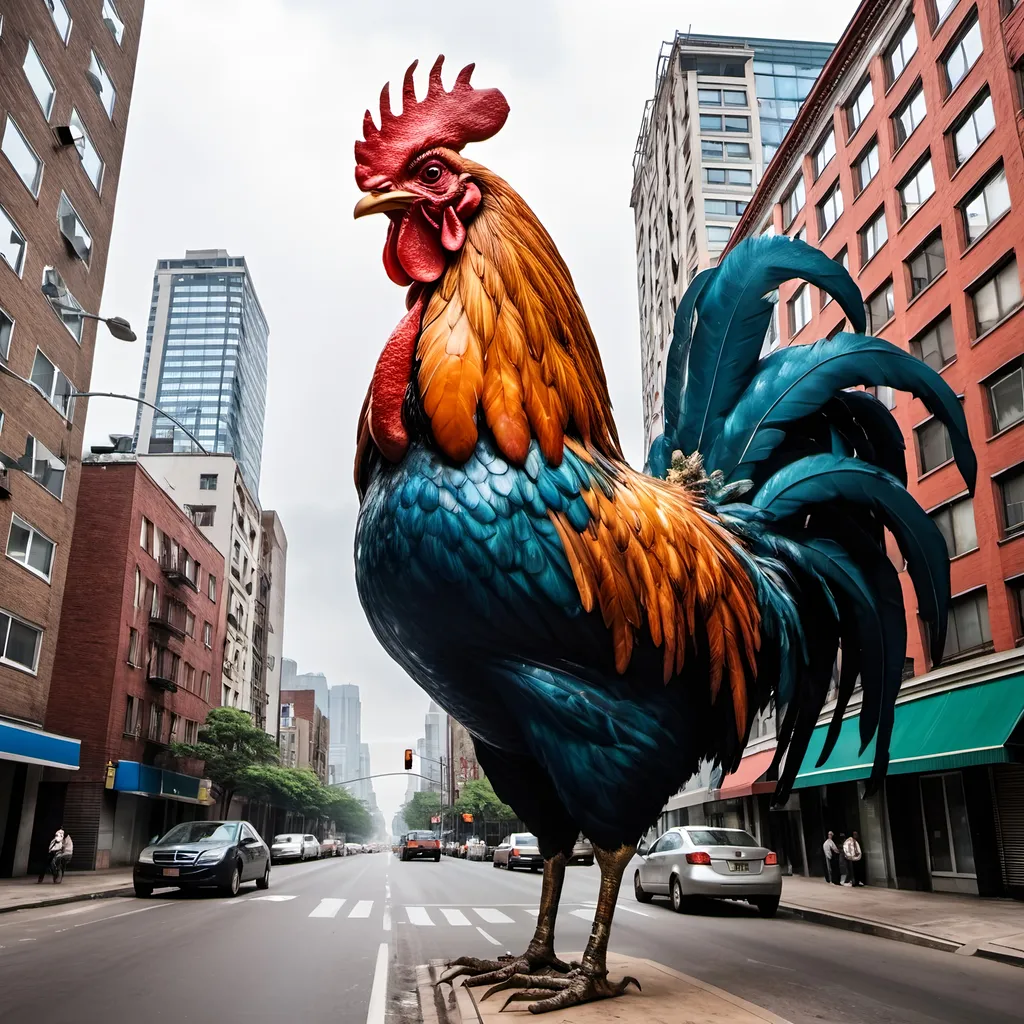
<point x="206" y="361"/>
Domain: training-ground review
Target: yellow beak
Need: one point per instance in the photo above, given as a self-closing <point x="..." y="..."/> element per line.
<point x="383" y="202"/>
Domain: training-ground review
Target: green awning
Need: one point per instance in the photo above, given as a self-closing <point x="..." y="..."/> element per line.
<point x="959" y="727"/>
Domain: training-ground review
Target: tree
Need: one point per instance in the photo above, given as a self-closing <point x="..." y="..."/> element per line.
<point x="229" y="744"/>
<point x="477" y="797"/>
<point x="421" y="808"/>
<point x="349" y="814"/>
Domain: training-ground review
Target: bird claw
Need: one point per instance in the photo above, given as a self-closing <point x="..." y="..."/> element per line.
<point x="577" y="988"/>
<point x="469" y="965"/>
<point x="487" y="972"/>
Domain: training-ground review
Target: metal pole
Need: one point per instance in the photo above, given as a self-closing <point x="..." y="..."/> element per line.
<point x="141" y="401"/>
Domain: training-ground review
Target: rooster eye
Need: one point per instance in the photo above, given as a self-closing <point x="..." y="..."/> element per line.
<point x="431" y="174"/>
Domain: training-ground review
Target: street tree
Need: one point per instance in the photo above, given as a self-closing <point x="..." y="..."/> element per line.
<point x="477" y="797"/>
<point x="421" y="808"/>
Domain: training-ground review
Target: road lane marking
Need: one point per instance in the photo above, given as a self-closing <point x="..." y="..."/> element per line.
<point x="386" y="924"/>
<point x="327" y="908"/>
<point x="379" y="991"/>
<point x="419" y="916"/>
<point x="455" y="916"/>
<point x="585" y="915"/>
<point x="265" y="899"/>
<point x="492" y="916"/>
<point x="362" y="909"/>
<point x="490" y="938"/>
<point x="619" y="906"/>
<point x="127" y="913"/>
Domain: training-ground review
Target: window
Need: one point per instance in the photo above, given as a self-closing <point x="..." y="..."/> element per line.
<point x="39" y="80"/>
<point x="710" y="122"/>
<point x="956" y="524"/>
<point x="936" y="346"/>
<point x="172" y="733"/>
<point x="830" y="209"/>
<point x="190" y="624"/>
<point x="146" y="536"/>
<point x="204" y="686"/>
<point x="735" y="97"/>
<point x="737" y="124"/>
<point x="76" y="234"/>
<point x="724" y="207"/>
<point x="211" y="587"/>
<point x="866" y="166"/>
<point x="1006" y="398"/>
<point x="61" y="18"/>
<point x="153" y="593"/>
<point x="977" y="126"/>
<point x="12" y="243"/>
<point x="996" y="298"/>
<point x="967" y="627"/>
<point x="53" y="386"/>
<point x="897" y="57"/>
<point x="873" y="236"/>
<point x="946" y="825"/>
<point x="718" y="235"/>
<point x="190" y="678"/>
<point x="101" y="84"/>
<point x="857" y="109"/>
<point x="46" y="469"/>
<point x="134" y="646"/>
<point x="843" y="259"/>
<point x="880" y="308"/>
<point x="916" y="188"/>
<point x="737" y="150"/>
<point x="963" y="53"/>
<point x="1011" y="491"/>
<point x="793" y="203"/>
<point x="138" y="588"/>
<point x="63" y="303"/>
<point x="6" y="330"/>
<point x="201" y="515"/>
<point x="22" y="157"/>
<point x="933" y="447"/>
<point x="92" y="164"/>
<point x="208" y="634"/>
<point x="19" y="642"/>
<point x="191" y="731"/>
<point x="985" y="205"/>
<point x="30" y="548"/>
<point x="722" y="176"/>
<point x="824" y="153"/>
<point x="207" y="481"/>
<point x="909" y="115"/>
<point x="926" y="264"/>
<point x="156" y="717"/>
<point x="884" y="394"/>
<point x="113" y="21"/>
<point x="942" y="8"/>
<point x="799" y="309"/>
<point x="709" y="97"/>
<point x="133" y="715"/>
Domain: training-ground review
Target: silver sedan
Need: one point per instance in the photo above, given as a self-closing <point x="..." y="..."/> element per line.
<point x="725" y="863"/>
<point x="518" y="850"/>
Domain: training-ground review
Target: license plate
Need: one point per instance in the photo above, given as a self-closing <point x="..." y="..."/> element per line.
<point x="738" y="865"/>
<point x="171" y="872"/>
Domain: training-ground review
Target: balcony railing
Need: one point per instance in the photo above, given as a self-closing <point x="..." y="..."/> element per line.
<point x="178" y="569"/>
<point x="171" y="620"/>
<point x="164" y="670"/>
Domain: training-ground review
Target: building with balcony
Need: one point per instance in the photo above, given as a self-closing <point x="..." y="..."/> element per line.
<point x="66" y="77"/>
<point x="137" y="666"/>
<point x="304" y="732"/>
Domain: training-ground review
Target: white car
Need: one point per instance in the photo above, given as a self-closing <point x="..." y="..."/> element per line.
<point x="476" y="849"/>
<point x="294" y="846"/>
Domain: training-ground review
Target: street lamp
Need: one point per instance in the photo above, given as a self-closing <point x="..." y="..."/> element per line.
<point x="117" y="325"/>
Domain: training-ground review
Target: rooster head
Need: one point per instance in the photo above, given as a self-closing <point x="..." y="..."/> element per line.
<point x="411" y="169"/>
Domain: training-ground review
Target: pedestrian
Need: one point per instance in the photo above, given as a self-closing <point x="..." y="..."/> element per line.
<point x="855" y="858"/>
<point x="67" y="849"/>
<point x="831" y="852"/>
<point x="53" y="852"/>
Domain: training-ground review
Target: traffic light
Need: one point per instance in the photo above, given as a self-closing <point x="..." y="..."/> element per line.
<point x="408" y="760"/>
<point x="467" y="817"/>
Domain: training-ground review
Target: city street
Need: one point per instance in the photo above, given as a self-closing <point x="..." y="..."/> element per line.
<point x="311" y="949"/>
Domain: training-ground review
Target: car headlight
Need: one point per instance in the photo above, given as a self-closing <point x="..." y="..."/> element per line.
<point x="146" y="857"/>
<point x="212" y="856"/>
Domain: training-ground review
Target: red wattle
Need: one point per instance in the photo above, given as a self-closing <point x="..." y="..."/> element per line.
<point x="419" y="248"/>
<point x="390" y="381"/>
<point x="392" y="264"/>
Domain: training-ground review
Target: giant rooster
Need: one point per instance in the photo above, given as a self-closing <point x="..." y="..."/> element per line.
<point x="602" y="631"/>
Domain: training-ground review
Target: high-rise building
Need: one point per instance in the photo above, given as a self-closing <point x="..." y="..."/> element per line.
<point x="435" y="731"/>
<point x="345" y="713"/>
<point x="273" y="565"/>
<point x="206" y="360"/>
<point x="304" y="732"/>
<point x="721" y="107"/>
<point x="66" y="90"/>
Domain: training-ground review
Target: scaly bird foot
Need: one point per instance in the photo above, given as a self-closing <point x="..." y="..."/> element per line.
<point x="577" y="988"/>
<point x="487" y="972"/>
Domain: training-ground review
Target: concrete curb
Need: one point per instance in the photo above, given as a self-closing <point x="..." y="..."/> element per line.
<point x="77" y="898"/>
<point x="888" y="931"/>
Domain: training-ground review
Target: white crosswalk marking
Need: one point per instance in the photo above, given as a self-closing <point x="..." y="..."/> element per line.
<point x="492" y="916"/>
<point x="362" y="909"/>
<point x="585" y="915"/>
<point x="419" y="916"/>
<point x="455" y="916"/>
<point x="328" y="908"/>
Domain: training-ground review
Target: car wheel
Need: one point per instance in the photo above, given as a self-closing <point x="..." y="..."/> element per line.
<point x="679" y="901"/>
<point x="264" y="882"/>
<point x="234" y="883"/>
<point x="767" y="906"/>
<point x="495" y="864"/>
<point x="143" y="891"/>
<point x="638" y="890"/>
<point x="437" y="858"/>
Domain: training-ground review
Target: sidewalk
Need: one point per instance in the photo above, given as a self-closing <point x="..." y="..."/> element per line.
<point x="967" y="925"/>
<point x="22" y="893"/>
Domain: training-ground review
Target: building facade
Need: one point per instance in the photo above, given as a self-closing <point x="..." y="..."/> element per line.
<point x="66" y="76"/>
<point x="914" y="125"/>
<point x="345" y="711"/>
<point x="206" y="361"/>
<point x="305" y="732"/>
<point x="136" y="670"/>
<point x="721" y="107"/>
<point x="273" y="569"/>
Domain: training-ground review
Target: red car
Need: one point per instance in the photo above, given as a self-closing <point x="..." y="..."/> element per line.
<point x="419" y="844"/>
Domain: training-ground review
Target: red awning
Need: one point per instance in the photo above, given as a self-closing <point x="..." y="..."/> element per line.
<point x="746" y="780"/>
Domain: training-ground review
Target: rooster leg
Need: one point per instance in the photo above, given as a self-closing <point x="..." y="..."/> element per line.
<point x="539" y="955"/>
<point x="590" y="981"/>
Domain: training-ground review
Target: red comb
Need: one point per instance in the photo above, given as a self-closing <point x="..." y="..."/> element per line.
<point x="441" y="118"/>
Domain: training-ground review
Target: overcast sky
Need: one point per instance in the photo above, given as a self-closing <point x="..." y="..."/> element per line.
<point x="240" y="137"/>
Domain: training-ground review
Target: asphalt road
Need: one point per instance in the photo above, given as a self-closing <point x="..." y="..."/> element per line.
<point x="339" y="940"/>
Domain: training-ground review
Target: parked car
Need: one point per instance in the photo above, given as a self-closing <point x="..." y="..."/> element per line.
<point x="331" y="847"/>
<point x="351" y="848"/>
<point x="583" y="851"/>
<point x="476" y="849"/>
<point x="420" y="844"/>
<point x="725" y="863"/>
<point x="197" y="854"/>
<point x="295" y="846"/>
<point x="518" y="850"/>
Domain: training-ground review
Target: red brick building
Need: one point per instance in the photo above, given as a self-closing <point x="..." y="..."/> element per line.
<point x="305" y="735"/>
<point x="137" y="667"/>
<point x="66" y="74"/>
<point x="906" y="164"/>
